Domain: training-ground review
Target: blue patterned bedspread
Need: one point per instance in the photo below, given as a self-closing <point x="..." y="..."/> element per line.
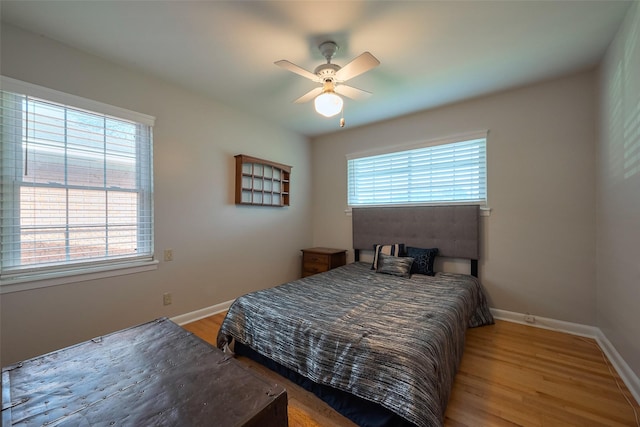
<point x="391" y="340"/>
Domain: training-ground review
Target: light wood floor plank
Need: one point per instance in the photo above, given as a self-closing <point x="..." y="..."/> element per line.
<point x="510" y="375"/>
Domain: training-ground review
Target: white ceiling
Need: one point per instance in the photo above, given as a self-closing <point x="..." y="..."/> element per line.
<point x="431" y="52"/>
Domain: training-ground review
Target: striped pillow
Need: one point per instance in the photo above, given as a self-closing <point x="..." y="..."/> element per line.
<point x="397" y="266"/>
<point x="396" y="249"/>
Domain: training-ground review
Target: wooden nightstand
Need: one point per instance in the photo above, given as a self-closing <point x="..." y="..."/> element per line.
<point x="317" y="260"/>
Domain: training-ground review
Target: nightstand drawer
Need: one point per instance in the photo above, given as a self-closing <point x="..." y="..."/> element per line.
<point x="311" y="268"/>
<point x="315" y="258"/>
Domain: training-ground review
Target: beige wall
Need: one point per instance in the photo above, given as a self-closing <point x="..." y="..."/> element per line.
<point x="618" y="195"/>
<point x="538" y="245"/>
<point x="220" y="250"/>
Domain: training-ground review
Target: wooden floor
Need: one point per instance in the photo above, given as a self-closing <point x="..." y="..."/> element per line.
<point x="511" y="375"/>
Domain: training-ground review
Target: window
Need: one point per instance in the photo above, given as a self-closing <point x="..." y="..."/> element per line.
<point x="76" y="193"/>
<point x="440" y="172"/>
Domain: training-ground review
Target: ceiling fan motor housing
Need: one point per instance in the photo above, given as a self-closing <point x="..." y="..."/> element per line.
<point x="326" y="71"/>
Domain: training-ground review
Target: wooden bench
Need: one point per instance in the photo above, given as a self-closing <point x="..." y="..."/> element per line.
<point x="156" y="373"/>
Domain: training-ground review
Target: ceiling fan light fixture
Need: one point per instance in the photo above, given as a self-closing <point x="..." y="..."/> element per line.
<point x="328" y="104"/>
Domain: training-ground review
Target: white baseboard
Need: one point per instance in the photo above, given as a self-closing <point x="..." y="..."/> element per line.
<point x="547" y="323"/>
<point x="202" y="313"/>
<point x="629" y="377"/>
<point x="626" y="373"/>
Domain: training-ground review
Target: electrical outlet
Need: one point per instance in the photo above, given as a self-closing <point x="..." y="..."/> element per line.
<point x="166" y="299"/>
<point x="168" y="254"/>
<point x="529" y="318"/>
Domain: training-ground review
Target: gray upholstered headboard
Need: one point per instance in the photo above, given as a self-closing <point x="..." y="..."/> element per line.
<point x="454" y="230"/>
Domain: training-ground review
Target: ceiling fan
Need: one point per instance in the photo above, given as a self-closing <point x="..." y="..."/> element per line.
<point x="332" y="77"/>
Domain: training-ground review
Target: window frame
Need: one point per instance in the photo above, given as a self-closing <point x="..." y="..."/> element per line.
<point x="458" y="138"/>
<point x="33" y="277"/>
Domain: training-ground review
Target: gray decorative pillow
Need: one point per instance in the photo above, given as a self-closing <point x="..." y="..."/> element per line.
<point x="397" y="266"/>
<point x="396" y="249"/>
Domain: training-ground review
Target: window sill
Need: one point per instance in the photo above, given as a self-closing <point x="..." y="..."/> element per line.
<point x="44" y="280"/>
<point x="484" y="210"/>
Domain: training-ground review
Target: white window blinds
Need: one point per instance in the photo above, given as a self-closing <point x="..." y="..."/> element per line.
<point x="76" y="185"/>
<point x="446" y="172"/>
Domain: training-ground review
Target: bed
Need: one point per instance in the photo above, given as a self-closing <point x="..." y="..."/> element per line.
<point x="382" y="349"/>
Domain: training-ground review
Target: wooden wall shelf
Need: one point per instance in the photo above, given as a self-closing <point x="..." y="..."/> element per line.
<point x="261" y="182"/>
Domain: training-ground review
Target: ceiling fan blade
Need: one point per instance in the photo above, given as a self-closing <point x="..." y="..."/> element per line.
<point x="296" y="69"/>
<point x="352" y="92"/>
<point x="361" y="64"/>
<point x="308" y="96"/>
